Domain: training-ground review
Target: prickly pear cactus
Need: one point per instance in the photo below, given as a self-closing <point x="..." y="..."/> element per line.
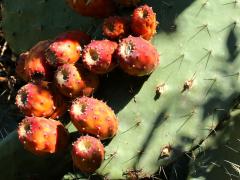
<point x="27" y="22"/>
<point x="176" y="108"/>
<point x="218" y="157"/>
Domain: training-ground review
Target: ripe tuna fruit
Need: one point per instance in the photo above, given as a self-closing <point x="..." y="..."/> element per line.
<point x="93" y="117"/>
<point x="73" y="81"/>
<point x="136" y="56"/>
<point x="35" y="100"/>
<point x="87" y="154"/>
<point x="115" y="27"/>
<point x="143" y="22"/>
<point x="66" y="48"/>
<point x="93" y="8"/>
<point x="35" y="66"/>
<point x="42" y="136"/>
<point x="98" y="56"/>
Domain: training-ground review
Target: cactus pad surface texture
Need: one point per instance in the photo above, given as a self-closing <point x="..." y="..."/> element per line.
<point x="175" y="108"/>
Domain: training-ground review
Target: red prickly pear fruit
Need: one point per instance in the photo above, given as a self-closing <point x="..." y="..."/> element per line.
<point x="35" y="100"/>
<point x="127" y="3"/>
<point x="143" y="22"/>
<point x="136" y="56"/>
<point x="98" y="56"/>
<point x="35" y="65"/>
<point x="21" y="73"/>
<point x="42" y="136"/>
<point x="93" y="117"/>
<point x="93" y="8"/>
<point x="72" y="81"/>
<point x="115" y="27"/>
<point x="60" y="105"/>
<point x="87" y="154"/>
<point x="66" y="48"/>
<point x="91" y="81"/>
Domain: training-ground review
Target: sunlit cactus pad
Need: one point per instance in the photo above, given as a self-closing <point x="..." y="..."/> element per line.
<point x="180" y="103"/>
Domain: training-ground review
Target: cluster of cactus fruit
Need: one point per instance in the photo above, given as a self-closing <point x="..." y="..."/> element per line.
<point x="76" y="61"/>
<point x="161" y="117"/>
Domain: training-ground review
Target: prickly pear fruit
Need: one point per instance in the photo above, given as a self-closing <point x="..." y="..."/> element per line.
<point x="94" y="117"/>
<point x="60" y="105"/>
<point x="137" y="56"/>
<point x="21" y="73"/>
<point x="115" y="27"/>
<point x="87" y="154"/>
<point x="35" y="65"/>
<point x="42" y="136"/>
<point x="143" y="22"/>
<point x="93" y="8"/>
<point x="35" y="100"/>
<point x="72" y="81"/>
<point x="66" y="48"/>
<point x="91" y="81"/>
<point x="127" y="3"/>
<point x="98" y="56"/>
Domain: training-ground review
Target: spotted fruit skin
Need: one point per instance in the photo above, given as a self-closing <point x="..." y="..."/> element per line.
<point x="66" y="48"/>
<point x="87" y="154"/>
<point x="35" y="100"/>
<point x="42" y="136"/>
<point x="115" y="27"/>
<point x="93" y="8"/>
<point x="99" y="56"/>
<point x="73" y="81"/>
<point x="137" y="56"/>
<point x="143" y="22"/>
<point x="93" y="117"/>
<point x="35" y="66"/>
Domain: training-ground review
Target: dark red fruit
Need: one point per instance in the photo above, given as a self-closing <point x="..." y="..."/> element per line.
<point x="66" y="48"/>
<point x="94" y="117"/>
<point x="143" y="22"/>
<point x="87" y="154"/>
<point x="42" y="136"/>
<point x="93" y="8"/>
<point x="137" y="56"/>
<point x="72" y="81"/>
<point x="98" y="56"/>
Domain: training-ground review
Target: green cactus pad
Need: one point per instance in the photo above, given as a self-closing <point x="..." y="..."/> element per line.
<point x="219" y="155"/>
<point x="203" y="52"/>
<point x="26" y="22"/>
<point x="195" y="86"/>
<point x="18" y="163"/>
